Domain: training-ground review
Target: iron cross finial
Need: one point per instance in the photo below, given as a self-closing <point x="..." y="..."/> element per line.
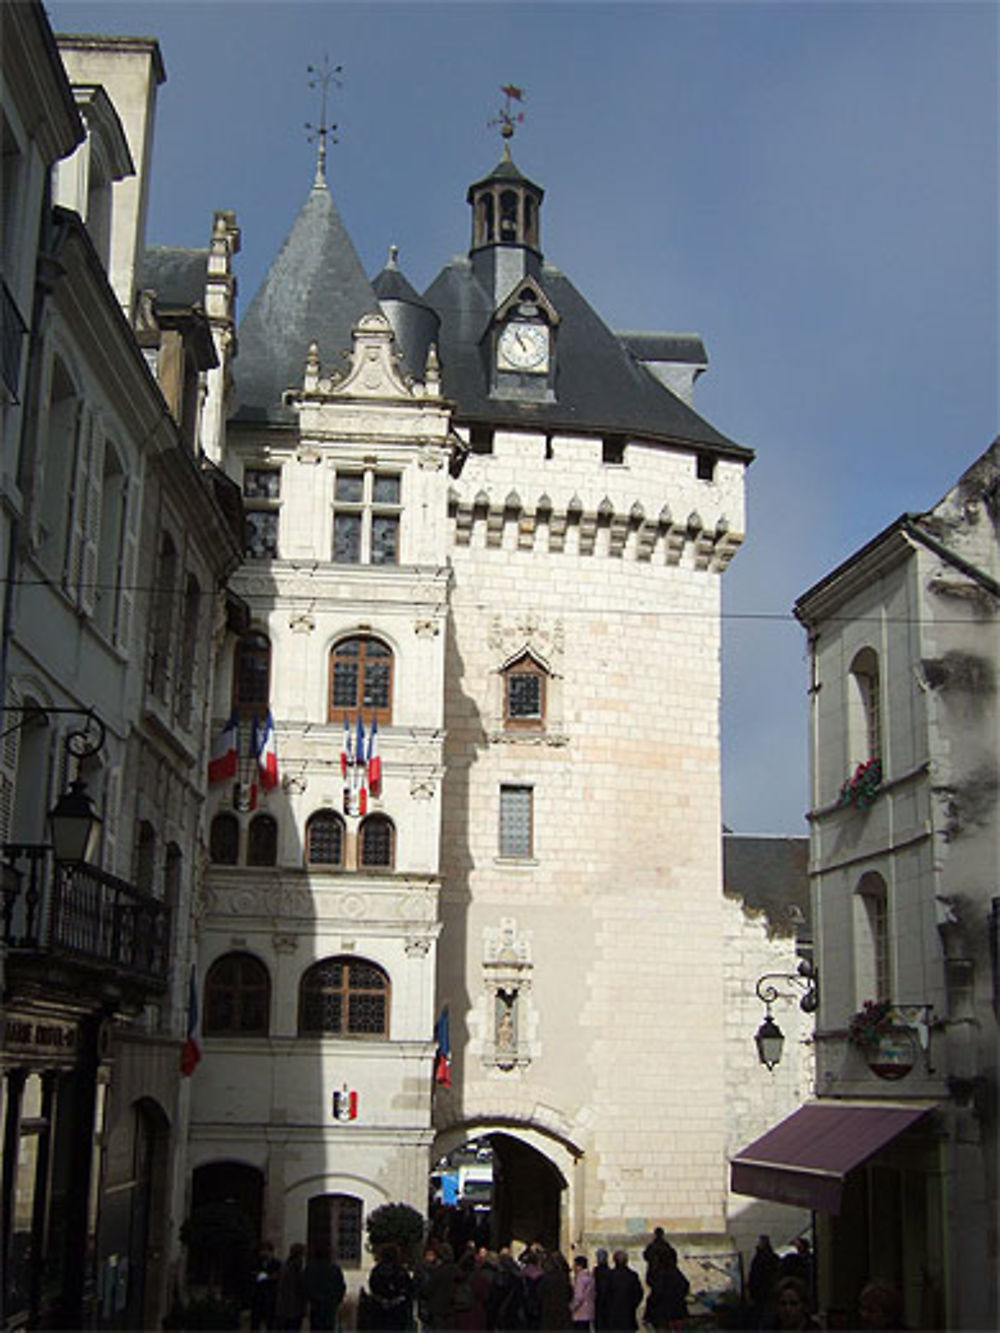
<point x="507" y="117"/>
<point x="321" y="77"/>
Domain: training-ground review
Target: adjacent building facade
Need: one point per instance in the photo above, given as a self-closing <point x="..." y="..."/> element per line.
<point x="118" y="541"/>
<point x="898" y="1155"/>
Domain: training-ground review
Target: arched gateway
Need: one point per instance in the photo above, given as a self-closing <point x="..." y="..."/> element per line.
<point x="529" y="1192"/>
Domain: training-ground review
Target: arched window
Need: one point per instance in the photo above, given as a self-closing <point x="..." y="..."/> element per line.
<point x="145" y="857"/>
<point x="224" y="840"/>
<point x="864" y="717"/>
<point x="334" y="1225"/>
<point x="872" y="962"/>
<point x="376" y="842"/>
<point x="361" y="679"/>
<point x="237" y="997"/>
<point x="325" y="839"/>
<point x="252" y="675"/>
<point x="344" y="997"/>
<point x="262" y="841"/>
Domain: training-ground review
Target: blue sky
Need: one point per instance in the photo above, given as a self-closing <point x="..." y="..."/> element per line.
<point x="811" y="186"/>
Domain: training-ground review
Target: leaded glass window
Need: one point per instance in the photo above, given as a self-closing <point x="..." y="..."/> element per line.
<point x="237" y="997"/>
<point x="262" y="841"/>
<point x="325" y="839"/>
<point x="366" y="515"/>
<point x="344" y="997"/>
<point x="262" y="533"/>
<point x="334" y="1225"/>
<point x="361" y="680"/>
<point x="252" y="674"/>
<point x="376" y="842"/>
<point x="516" y="821"/>
<point x="224" y="840"/>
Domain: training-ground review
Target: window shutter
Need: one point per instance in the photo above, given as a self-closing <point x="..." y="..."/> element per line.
<point x="85" y="575"/>
<point x="111" y="813"/>
<point x="127" y="566"/>
<point x="8" y="769"/>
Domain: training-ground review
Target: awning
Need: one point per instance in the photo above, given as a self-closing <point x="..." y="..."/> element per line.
<point x="803" y="1160"/>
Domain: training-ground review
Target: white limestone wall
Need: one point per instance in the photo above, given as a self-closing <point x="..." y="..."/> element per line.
<point x="756" y="1100"/>
<point x="620" y="906"/>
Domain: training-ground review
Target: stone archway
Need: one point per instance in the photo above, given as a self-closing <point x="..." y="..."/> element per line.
<point x="530" y="1195"/>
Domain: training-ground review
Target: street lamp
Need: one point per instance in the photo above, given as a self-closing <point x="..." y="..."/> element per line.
<point x="74" y="824"/>
<point x="769" y="1038"/>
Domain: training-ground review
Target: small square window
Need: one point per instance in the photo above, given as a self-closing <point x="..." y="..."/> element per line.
<point x="613" y="450"/>
<point x="262" y="533"/>
<point x="705" y="467"/>
<point x="516" y="822"/>
<point x="262" y="483"/>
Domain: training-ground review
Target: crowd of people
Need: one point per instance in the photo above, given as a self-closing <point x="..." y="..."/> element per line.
<point x="473" y="1289"/>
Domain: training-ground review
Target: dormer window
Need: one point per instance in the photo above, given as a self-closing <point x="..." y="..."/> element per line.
<point x="524" y="693"/>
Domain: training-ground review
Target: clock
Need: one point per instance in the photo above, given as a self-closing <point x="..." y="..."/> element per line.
<point x="524" y="347"/>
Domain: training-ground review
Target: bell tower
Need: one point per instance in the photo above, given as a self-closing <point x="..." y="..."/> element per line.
<point x="506" y="237"/>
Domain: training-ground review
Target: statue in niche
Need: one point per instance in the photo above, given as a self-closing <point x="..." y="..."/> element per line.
<point x="506" y="1030"/>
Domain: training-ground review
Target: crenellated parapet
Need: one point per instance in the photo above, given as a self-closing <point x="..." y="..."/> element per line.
<point x="511" y="523"/>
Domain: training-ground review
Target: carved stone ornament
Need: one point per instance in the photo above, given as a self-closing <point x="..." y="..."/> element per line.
<point x="375" y="363"/>
<point x="417" y="946"/>
<point x="303" y="622"/>
<point x="285" y="943"/>
<point x="426" y="627"/>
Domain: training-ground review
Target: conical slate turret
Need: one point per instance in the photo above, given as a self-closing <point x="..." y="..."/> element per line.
<point x="315" y="291"/>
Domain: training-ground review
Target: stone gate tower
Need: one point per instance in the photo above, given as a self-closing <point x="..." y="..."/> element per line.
<point x="483" y="521"/>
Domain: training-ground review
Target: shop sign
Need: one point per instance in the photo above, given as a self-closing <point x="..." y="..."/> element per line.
<point x="38" y="1036"/>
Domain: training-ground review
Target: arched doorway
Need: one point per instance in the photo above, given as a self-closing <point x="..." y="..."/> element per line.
<point x="223" y="1227"/>
<point x="497" y="1189"/>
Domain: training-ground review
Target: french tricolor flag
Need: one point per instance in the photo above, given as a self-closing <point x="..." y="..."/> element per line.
<point x="374" y="761"/>
<point x="222" y="763"/>
<point x="345" y="748"/>
<point x="267" y="754"/>
<point x="191" y="1050"/>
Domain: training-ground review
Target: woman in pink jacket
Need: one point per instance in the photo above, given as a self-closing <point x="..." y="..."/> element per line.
<point x="582" y="1305"/>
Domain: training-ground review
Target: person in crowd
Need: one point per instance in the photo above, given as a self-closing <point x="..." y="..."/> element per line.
<point x="324" y="1287"/>
<point x="439" y="1289"/>
<point x="469" y="1296"/>
<point x="602" y="1276"/>
<point x="531" y="1271"/>
<point x="762" y="1277"/>
<point x="658" y="1248"/>
<point x="505" y="1313"/>
<point x="790" y="1301"/>
<point x="880" y="1306"/>
<point x="666" y="1306"/>
<point x="266" y="1268"/>
<point x="555" y="1291"/>
<point x="582" y="1305"/>
<point x="290" y="1305"/>
<point x="624" y="1295"/>
<point x="390" y="1293"/>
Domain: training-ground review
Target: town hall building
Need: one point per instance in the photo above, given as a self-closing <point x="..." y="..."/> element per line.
<point x="477" y="638"/>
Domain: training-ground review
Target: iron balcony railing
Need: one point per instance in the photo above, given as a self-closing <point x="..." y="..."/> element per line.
<point x="81" y="913"/>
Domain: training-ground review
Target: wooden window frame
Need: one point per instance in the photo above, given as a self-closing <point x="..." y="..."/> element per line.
<point x="311" y="977"/>
<point x="241" y="987"/>
<point x="525" y="665"/>
<point x="334" y="818"/>
<point x="224" y="817"/>
<point x="253" y="641"/>
<point x="261" y="821"/>
<point x="382" y="821"/>
<point x="335" y="712"/>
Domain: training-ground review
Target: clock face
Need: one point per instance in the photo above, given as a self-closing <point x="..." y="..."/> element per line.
<point x="524" y="347"/>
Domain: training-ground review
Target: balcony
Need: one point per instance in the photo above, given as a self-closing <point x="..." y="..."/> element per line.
<point x="78" y="925"/>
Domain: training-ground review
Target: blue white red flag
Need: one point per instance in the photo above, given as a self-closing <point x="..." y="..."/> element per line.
<point x="191" y="1050"/>
<point x="374" y="761"/>
<point x="345" y="748"/>
<point x="442" y="1055"/>
<point x="266" y="752"/>
<point x="222" y="762"/>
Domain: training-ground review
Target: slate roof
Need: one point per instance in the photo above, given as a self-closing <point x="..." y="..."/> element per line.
<point x="770" y="875"/>
<point x="600" y="385"/>
<point x="175" y="274"/>
<point x="677" y="347"/>
<point x="315" y="291"/>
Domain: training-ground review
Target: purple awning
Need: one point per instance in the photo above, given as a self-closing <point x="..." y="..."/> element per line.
<point x="803" y="1160"/>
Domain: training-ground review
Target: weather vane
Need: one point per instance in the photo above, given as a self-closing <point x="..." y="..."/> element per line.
<point x="321" y="78"/>
<point x="507" y="117"/>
